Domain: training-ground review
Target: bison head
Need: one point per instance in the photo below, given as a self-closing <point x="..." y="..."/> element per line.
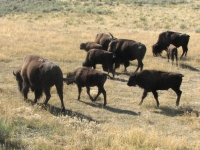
<point x="132" y="80"/>
<point x="156" y="50"/>
<point x="83" y="46"/>
<point x="19" y="79"/>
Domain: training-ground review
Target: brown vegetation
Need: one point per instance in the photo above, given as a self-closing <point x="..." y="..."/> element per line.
<point x="122" y="124"/>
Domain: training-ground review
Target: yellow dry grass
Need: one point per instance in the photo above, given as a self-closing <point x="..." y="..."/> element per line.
<point x="122" y="124"/>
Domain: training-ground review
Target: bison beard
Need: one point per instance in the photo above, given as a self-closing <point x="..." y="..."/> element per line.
<point x="152" y="80"/>
<point x="39" y="75"/>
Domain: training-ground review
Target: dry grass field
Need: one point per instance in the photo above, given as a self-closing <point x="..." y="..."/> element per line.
<point x="122" y="124"/>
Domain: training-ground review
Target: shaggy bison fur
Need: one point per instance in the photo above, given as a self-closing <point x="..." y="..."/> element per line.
<point x="39" y="75"/>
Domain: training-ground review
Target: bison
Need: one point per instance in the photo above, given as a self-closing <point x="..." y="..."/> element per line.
<point x="171" y="53"/>
<point x="153" y="80"/>
<point x="170" y="37"/>
<point x="126" y="50"/>
<point x="95" y="56"/>
<point x="104" y="39"/>
<point x="90" y="45"/>
<point x="88" y="77"/>
<point x="39" y="75"/>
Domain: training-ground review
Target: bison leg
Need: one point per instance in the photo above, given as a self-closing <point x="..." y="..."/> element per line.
<point x="25" y="90"/>
<point x="185" y="49"/>
<point x="143" y="96"/>
<point x="48" y="95"/>
<point x="178" y="93"/>
<point x="94" y="66"/>
<point x="79" y="92"/>
<point x="88" y="92"/>
<point x="38" y="94"/>
<point x="101" y="90"/>
<point x="140" y="65"/>
<point x="155" y="94"/>
<point x="126" y="64"/>
<point x="59" y="89"/>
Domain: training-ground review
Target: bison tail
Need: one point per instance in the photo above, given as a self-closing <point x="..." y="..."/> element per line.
<point x="110" y="77"/>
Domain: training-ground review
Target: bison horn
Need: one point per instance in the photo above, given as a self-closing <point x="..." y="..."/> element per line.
<point x="14" y="73"/>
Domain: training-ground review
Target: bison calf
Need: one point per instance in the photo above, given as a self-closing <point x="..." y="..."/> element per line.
<point x="88" y="77"/>
<point x="152" y="80"/>
<point x="171" y="53"/>
<point x="95" y="56"/>
<point x="90" y="45"/>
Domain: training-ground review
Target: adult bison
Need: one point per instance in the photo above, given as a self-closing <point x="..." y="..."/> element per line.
<point x="105" y="58"/>
<point x="90" y="45"/>
<point x="126" y="50"/>
<point x="39" y="75"/>
<point x="170" y="37"/>
<point x="153" y="80"/>
<point x="88" y="77"/>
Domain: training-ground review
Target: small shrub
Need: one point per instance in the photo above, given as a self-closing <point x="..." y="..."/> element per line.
<point x="5" y="131"/>
<point x="197" y="30"/>
<point x="183" y="26"/>
<point x="143" y="18"/>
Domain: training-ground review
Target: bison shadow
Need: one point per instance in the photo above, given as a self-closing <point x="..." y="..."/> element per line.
<point x="115" y="110"/>
<point x="119" y="79"/>
<point x="56" y="111"/>
<point x="185" y="66"/>
<point x="169" y="111"/>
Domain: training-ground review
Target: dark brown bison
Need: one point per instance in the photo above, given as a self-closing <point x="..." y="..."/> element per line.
<point x="88" y="77"/>
<point x="126" y="50"/>
<point x="96" y="56"/>
<point x="90" y="45"/>
<point x="104" y="39"/>
<point x="152" y="80"/>
<point x="39" y="75"/>
<point x="171" y="53"/>
<point x="170" y="37"/>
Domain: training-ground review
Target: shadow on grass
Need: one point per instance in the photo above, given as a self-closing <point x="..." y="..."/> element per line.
<point x="57" y="111"/>
<point x="112" y="109"/>
<point x="185" y="66"/>
<point x="169" y="111"/>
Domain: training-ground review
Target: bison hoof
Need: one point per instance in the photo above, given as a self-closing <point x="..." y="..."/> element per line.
<point x="63" y="110"/>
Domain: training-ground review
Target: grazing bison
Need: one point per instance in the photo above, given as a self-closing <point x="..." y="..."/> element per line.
<point x="40" y="75"/>
<point x="171" y="53"/>
<point x="88" y="77"/>
<point x="126" y="50"/>
<point x="104" y="39"/>
<point x="95" y="56"/>
<point x="170" y="37"/>
<point x="152" y="80"/>
<point x="90" y="45"/>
